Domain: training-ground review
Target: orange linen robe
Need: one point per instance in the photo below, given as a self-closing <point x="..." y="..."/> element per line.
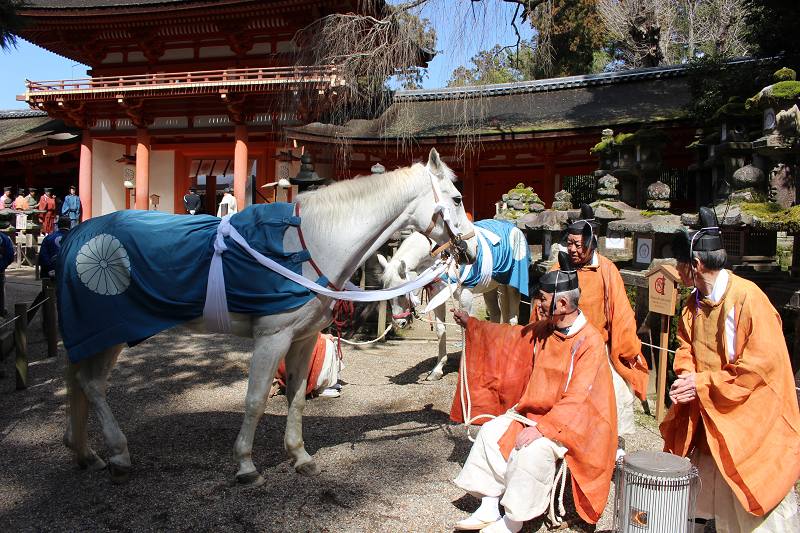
<point x="314" y="368"/>
<point x="606" y="306"/>
<point x="569" y="394"/>
<point x="745" y="411"/>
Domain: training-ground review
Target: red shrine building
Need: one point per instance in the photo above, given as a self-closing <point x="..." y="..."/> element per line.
<point x="186" y="92"/>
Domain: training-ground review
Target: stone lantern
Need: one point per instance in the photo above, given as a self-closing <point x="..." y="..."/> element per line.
<point x="306" y="177"/>
<point x="647" y="166"/>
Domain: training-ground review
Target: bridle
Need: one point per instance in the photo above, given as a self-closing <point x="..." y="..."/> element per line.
<point x="442" y="211"/>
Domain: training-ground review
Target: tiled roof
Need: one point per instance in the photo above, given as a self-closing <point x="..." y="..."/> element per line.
<point x="581" y="105"/>
<point x="88" y="4"/>
<point x="551" y="84"/>
<point x="22" y="113"/>
<point x="19" y="132"/>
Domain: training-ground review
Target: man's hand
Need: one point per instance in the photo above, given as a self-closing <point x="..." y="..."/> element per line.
<point x="460" y="317"/>
<point x="683" y="390"/>
<point x="526" y="436"/>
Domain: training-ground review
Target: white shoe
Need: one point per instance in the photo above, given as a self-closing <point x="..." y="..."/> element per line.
<point x="474" y="524"/>
<point x="620" y="453"/>
<point x="504" y="525"/>
<point x="330" y="393"/>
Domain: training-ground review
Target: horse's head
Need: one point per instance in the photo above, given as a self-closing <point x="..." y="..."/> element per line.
<point x="396" y="273"/>
<point x="443" y="201"/>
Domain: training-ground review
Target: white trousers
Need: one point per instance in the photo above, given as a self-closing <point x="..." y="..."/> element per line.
<point x="623" y="391"/>
<point x="525" y="481"/>
<point x="331" y="366"/>
<point x="717" y="501"/>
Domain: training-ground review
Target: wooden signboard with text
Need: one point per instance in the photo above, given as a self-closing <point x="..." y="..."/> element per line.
<point x="663" y="295"/>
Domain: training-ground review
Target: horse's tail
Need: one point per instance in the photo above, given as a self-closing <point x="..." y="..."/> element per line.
<point x="77" y="404"/>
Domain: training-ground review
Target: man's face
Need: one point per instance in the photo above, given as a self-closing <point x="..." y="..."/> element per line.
<point x="543" y="302"/>
<point x="685" y="271"/>
<point x="579" y="253"/>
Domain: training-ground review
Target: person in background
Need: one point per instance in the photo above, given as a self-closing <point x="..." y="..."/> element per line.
<point x="8" y="201"/>
<point x="20" y="203"/>
<point x="6" y="258"/>
<point x="229" y="201"/>
<point x="72" y="207"/>
<point x="48" y="205"/>
<point x="51" y="244"/>
<point x="192" y="201"/>
<point x="33" y="202"/>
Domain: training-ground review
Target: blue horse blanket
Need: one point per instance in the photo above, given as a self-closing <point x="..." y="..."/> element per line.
<point x="128" y="275"/>
<point x="510" y="257"/>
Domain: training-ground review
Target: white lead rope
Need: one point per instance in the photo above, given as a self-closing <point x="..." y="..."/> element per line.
<point x="215" y="314"/>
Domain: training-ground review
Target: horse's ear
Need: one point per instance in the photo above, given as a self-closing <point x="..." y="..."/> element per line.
<point x="435" y="163"/>
<point x="383" y="262"/>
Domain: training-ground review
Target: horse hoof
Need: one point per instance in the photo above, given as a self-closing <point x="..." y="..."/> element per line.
<point x="253" y="479"/>
<point x="92" y="464"/>
<point x="119" y="474"/>
<point x="308" y="469"/>
<point x="434" y="376"/>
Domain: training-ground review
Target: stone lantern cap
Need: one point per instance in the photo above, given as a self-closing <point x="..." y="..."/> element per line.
<point x="637" y="222"/>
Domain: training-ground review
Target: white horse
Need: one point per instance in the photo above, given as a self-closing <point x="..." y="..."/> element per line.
<point x="342" y="225"/>
<point x="413" y="256"/>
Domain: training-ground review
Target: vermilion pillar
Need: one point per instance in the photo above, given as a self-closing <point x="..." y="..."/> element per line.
<point x="85" y="175"/>
<point x="142" y="169"/>
<point x="240" y="165"/>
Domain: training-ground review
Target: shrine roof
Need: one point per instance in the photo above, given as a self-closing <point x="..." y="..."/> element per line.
<point x="559" y="104"/>
<point x="26" y="130"/>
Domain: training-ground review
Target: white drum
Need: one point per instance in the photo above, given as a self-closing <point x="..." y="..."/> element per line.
<point x="655" y="492"/>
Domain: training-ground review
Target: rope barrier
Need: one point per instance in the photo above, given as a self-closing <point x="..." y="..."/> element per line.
<point x="389" y="327"/>
<point x="658" y="347"/>
<point x="37" y="305"/>
<point x="10" y="321"/>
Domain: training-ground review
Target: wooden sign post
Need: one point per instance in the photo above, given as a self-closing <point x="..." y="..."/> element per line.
<point x="663" y="294"/>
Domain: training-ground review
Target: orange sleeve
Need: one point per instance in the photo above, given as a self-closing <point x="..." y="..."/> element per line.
<point x="684" y="356"/>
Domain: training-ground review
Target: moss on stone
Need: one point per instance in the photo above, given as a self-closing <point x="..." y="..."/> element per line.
<point x="617" y="212"/>
<point x="759" y="196"/>
<point x="784" y="74"/>
<point x="619" y="139"/>
<point x="772" y="216"/>
<point x="711" y="140"/>
<point x="649" y="214"/>
<point x="786" y="90"/>
<point x="599" y="147"/>
<point x="647" y="135"/>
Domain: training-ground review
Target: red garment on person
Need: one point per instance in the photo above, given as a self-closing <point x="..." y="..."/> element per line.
<point x="314" y="368"/>
<point x="48" y="205"/>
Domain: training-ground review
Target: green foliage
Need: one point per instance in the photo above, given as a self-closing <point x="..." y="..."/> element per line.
<point x="713" y="81"/>
<point x="646" y="135"/>
<point x="772" y="30"/>
<point x="11" y="22"/>
<point x="424" y="34"/>
<point x="494" y="66"/>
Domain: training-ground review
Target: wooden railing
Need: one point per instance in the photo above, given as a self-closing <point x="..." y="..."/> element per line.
<point x="268" y="75"/>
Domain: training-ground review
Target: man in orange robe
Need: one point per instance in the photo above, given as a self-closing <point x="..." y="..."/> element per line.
<point x="566" y="410"/>
<point x="735" y="405"/>
<point x="606" y="306"/>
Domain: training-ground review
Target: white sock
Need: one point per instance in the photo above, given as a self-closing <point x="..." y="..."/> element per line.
<point x="512" y="525"/>
<point x="489" y="509"/>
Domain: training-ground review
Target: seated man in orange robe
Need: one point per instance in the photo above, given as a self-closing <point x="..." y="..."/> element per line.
<point x="566" y="410"/>
<point x="605" y="303"/>
<point x="735" y="406"/>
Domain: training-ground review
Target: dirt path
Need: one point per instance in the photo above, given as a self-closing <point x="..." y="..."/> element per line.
<point x="387" y="447"/>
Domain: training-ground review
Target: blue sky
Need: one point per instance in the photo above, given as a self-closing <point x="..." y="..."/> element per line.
<point x="483" y="25"/>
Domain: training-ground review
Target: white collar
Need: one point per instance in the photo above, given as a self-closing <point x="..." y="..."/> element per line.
<point x="577" y="325"/>
<point x="595" y="260"/>
<point x="720" y="285"/>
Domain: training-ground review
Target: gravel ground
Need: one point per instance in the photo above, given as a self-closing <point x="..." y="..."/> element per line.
<point x="387" y="447"/>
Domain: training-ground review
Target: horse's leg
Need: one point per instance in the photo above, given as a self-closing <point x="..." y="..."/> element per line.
<point x="76" y="436"/>
<point x="441" y="334"/>
<point x="267" y="355"/>
<point x="492" y="305"/>
<point x="509" y="304"/>
<point x="93" y="378"/>
<point x="297" y="361"/>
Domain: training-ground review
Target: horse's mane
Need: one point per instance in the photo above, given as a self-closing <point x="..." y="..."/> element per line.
<point x="341" y="201"/>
